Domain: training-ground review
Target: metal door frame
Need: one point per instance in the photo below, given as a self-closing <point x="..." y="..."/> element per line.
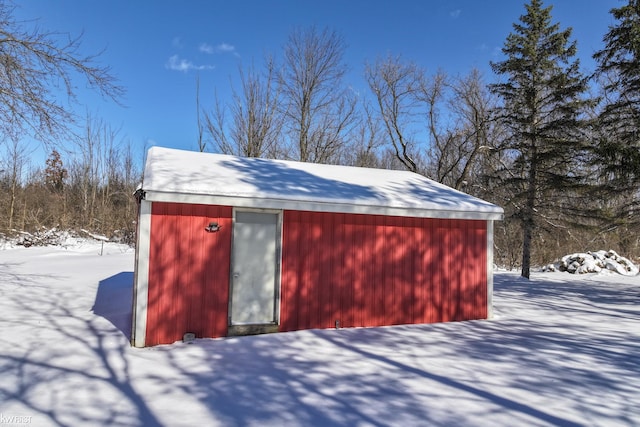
<point x="278" y="261"/>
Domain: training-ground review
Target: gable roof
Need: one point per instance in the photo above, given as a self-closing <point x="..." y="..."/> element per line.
<point x="192" y="177"/>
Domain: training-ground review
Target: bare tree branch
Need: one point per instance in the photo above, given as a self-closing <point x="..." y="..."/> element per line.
<point x="34" y="66"/>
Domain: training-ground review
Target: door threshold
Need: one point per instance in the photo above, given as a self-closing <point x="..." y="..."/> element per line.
<point x="239" y="330"/>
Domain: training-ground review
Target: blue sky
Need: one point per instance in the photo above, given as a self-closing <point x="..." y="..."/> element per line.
<point x="157" y="48"/>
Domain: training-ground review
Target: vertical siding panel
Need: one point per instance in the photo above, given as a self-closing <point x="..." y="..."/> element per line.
<point x="221" y="270"/>
<point x="478" y="249"/>
<point x="155" y="276"/>
<point x="187" y="289"/>
<point x="412" y="277"/>
<point x="327" y="269"/>
<point x="464" y="272"/>
<point x="397" y="255"/>
<point x="429" y="257"/>
<point x="394" y="255"/>
<point x="357" y="272"/>
<point x="338" y="271"/>
<point x="403" y="313"/>
<point x="453" y="274"/>
<point x="432" y="254"/>
<point x="404" y="286"/>
<point x="419" y="281"/>
<point x="454" y="234"/>
<point x="209" y="259"/>
<point x="287" y="276"/>
<point x="443" y="265"/>
<point x="314" y="272"/>
<point x="408" y="270"/>
<point x="369" y="302"/>
<point x="379" y="271"/>
<point x="347" y="300"/>
<point x="429" y="254"/>
<point x="364" y="246"/>
<point x="182" y="269"/>
<point x="388" y="262"/>
<point x="481" y="250"/>
<point x="306" y="273"/>
<point x="301" y="274"/>
<point x="324" y="266"/>
<point x="471" y="293"/>
<point x="480" y="282"/>
<point x="196" y="322"/>
<point x="158" y="274"/>
<point x="367" y="282"/>
<point x="448" y="273"/>
<point x="467" y="273"/>
<point x="171" y="262"/>
<point x="292" y="263"/>
<point x="440" y="266"/>
<point x="319" y="260"/>
<point x="178" y="277"/>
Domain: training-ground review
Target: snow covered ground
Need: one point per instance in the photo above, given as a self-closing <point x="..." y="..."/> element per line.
<point x="563" y="350"/>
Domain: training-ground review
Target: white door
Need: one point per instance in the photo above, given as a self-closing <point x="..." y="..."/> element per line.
<point x="255" y="249"/>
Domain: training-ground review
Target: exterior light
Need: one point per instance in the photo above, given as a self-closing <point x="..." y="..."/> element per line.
<point x="213" y="227"/>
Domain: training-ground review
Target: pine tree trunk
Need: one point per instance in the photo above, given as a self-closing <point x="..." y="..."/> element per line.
<point x="529" y="211"/>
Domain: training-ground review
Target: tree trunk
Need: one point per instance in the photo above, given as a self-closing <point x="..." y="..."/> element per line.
<point x="529" y="211"/>
<point x="526" y="248"/>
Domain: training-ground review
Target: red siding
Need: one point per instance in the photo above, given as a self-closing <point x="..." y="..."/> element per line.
<point x="188" y="272"/>
<point x="366" y="270"/>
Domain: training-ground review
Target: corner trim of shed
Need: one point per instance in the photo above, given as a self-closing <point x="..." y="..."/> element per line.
<point x="489" y="269"/>
<point x="141" y="279"/>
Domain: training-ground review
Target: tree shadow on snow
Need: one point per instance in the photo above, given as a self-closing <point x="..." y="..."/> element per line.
<point x="74" y="368"/>
<point x="527" y="367"/>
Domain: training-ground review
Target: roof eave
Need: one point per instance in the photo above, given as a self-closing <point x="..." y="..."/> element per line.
<point x="487" y="212"/>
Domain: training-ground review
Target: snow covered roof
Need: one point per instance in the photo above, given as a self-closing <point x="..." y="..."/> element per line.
<point x="192" y="177"/>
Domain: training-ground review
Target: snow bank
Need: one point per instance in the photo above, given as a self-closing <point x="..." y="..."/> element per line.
<point x="46" y="237"/>
<point x="594" y="262"/>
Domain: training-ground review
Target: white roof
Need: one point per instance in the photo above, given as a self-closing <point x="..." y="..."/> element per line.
<point x="192" y="177"/>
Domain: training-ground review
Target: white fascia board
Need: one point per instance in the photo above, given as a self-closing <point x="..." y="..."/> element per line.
<point x="141" y="290"/>
<point x="282" y="204"/>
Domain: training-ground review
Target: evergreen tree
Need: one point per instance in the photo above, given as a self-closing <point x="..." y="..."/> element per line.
<point x="542" y="95"/>
<point x="619" y="67"/>
<point x="55" y="173"/>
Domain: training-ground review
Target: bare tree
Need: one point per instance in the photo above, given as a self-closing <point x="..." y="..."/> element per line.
<point x="367" y="140"/>
<point x="202" y="145"/>
<point x="396" y="86"/>
<point x="256" y="124"/>
<point x="12" y="169"/>
<point x="457" y="141"/>
<point x="33" y="64"/>
<point x="441" y="120"/>
<point x="319" y="112"/>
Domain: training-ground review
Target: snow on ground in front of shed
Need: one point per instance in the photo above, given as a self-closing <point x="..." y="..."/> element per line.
<point x="562" y="349"/>
<point x="187" y="172"/>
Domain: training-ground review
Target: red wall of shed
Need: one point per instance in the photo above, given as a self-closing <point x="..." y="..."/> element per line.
<point x="366" y="270"/>
<point x="188" y="272"/>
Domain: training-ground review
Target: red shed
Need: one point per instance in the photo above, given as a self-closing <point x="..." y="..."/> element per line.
<point x="230" y="245"/>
